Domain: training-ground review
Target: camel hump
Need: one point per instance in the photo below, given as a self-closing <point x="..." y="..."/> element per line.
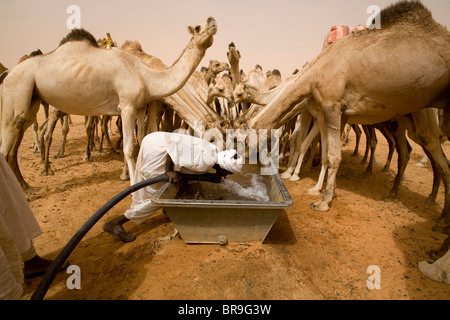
<point x="413" y="12"/>
<point x="79" y="35"/>
<point x="132" y="45"/>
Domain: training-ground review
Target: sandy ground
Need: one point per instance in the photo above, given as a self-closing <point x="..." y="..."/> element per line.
<point x="306" y="255"/>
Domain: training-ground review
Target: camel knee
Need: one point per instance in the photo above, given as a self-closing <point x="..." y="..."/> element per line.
<point x="20" y="122"/>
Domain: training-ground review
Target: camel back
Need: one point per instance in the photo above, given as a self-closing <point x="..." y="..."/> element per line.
<point x="79" y="35"/>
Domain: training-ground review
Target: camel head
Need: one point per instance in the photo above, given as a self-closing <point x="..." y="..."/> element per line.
<point x="240" y="93"/>
<point x="203" y="34"/>
<point x="233" y="54"/>
<point x="217" y="67"/>
<point x="218" y="88"/>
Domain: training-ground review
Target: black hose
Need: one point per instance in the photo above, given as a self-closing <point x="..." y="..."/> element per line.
<point x="56" y="265"/>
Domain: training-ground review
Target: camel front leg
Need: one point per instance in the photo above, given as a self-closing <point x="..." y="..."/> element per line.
<point x="330" y="129"/>
<point x="129" y="114"/>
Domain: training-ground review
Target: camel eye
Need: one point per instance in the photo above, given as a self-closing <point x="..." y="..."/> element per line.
<point x="197" y="29"/>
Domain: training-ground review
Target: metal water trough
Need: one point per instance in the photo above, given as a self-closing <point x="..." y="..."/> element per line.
<point x="220" y="221"/>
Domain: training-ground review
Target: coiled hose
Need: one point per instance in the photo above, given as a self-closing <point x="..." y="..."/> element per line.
<point x="56" y="265"/>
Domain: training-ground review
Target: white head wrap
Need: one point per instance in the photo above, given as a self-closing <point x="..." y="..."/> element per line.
<point x="227" y="160"/>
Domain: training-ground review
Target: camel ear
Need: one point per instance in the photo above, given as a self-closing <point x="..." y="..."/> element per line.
<point x="190" y="30"/>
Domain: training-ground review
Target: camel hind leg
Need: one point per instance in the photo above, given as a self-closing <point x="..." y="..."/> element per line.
<point x="426" y="133"/>
<point x="12" y="135"/>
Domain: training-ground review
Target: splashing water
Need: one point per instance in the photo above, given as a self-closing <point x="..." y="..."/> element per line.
<point x="243" y="187"/>
<point x="254" y="190"/>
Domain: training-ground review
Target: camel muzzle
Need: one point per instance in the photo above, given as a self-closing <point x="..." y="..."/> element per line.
<point x="211" y="26"/>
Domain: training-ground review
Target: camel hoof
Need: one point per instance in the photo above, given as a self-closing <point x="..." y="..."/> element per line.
<point x="294" y="178"/>
<point x="421" y="165"/>
<point x="47" y="173"/>
<point x="319" y="206"/>
<point x="430" y="202"/>
<point x="313" y="192"/>
<point x="285" y="175"/>
<point x="390" y="198"/>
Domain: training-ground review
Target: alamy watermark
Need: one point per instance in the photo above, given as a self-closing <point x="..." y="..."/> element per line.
<point x="74" y="20"/>
<point x="74" y="281"/>
<point x="374" y="280"/>
<point x="374" y="20"/>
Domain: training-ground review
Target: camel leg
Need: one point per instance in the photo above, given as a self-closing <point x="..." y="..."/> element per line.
<point x="358" y="132"/>
<point x="106" y="125"/>
<point x="391" y="142"/>
<point x="12" y="135"/>
<point x="372" y="145"/>
<point x="297" y="138"/>
<point x="36" y="145"/>
<point x="90" y="136"/>
<point x="140" y="124"/>
<point x="65" y="132"/>
<point x="345" y="135"/>
<point x="445" y="126"/>
<point x="313" y="133"/>
<point x="436" y="179"/>
<point x="154" y="116"/>
<point x="46" y="142"/>
<point x="318" y="187"/>
<point x="426" y="132"/>
<point x="129" y="115"/>
<point x="329" y="120"/>
<point x="401" y="145"/>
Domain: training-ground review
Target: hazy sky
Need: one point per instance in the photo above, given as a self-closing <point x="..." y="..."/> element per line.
<point x="275" y="34"/>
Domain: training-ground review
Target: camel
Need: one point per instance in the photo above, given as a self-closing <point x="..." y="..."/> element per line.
<point x="64" y="78"/>
<point x="215" y="67"/>
<point x="370" y="77"/>
<point x="234" y="56"/>
<point x="272" y="80"/>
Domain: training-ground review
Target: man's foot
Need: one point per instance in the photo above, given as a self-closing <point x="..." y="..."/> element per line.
<point x="37" y="266"/>
<point x="114" y="227"/>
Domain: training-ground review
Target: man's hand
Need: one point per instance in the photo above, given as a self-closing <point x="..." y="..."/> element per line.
<point x="173" y="176"/>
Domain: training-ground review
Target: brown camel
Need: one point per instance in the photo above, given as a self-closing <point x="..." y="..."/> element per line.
<point x="371" y="77"/>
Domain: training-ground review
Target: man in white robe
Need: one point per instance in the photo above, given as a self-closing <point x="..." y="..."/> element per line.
<point x="18" y="228"/>
<point x="168" y="153"/>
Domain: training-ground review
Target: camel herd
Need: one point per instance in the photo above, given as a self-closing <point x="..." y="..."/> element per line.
<point x="395" y="79"/>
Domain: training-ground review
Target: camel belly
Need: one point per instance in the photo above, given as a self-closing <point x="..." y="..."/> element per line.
<point x="77" y="86"/>
<point x="80" y="103"/>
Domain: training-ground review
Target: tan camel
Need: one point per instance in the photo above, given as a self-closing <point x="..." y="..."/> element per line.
<point x="64" y="78"/>
<point x="186" y="103"/>
<point x="234" y="56"/>
<point x="215" y="67"/>
<point x="371" y="77"/>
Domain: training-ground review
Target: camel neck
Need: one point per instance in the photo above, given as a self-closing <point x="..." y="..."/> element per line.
<point x="174" y="78"/>
<point x="262" y="97"/>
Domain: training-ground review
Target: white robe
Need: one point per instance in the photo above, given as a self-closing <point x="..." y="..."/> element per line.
<point x="189" y="155"/>
<point x="18" y="227"/>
